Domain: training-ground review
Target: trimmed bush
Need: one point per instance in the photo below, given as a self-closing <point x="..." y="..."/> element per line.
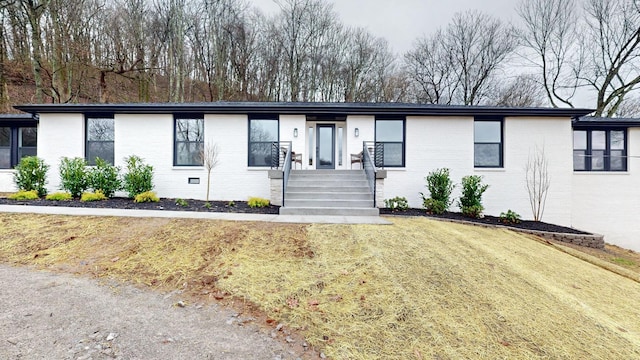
<point x="59" y="196"/>
<point x="510" y="217"/>
<point x="74" y="176"/>
<point x="139" y="176"/>
<point x="182" y="202"/>
<point x="471" y="199"/>
<point x="147" y="196"/>
<point x="31" y="174"/>
<point x="93" y="196"/>
<point x="24" y="195"/>
<point x="397" y="203"/>
<point x="105" y="177"/>
<point x="257" y="202"/>
<point x="440" y="187"/>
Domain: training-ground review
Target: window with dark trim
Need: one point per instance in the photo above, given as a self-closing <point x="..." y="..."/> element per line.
<point x="599" y="150"/>
<point x="100" y="135"/>
<point x="189" y="142"/>
<point x="262" y="134"/>
<point x="390" y="138"/>
<point x="15" y="143"/>
<point x="487" y="143"/>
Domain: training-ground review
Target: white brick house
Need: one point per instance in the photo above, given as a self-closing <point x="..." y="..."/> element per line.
<point x="406" y="140"/>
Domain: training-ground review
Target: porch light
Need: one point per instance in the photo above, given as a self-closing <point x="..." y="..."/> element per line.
<point x="356" y="132"/>
<point x="295" y="132"/>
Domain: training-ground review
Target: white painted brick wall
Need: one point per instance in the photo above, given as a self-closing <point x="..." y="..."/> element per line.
<point x="59" y="135"/>
<point x="6" y="181"/>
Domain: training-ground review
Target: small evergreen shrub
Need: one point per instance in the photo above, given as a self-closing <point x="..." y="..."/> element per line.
<point x="440" y="187"/>
<point x="59" y="196"/>
<point x="231" y="203"/>
<point x="397" y="203"/>
<point x="257" y="202"/>
<point x="510" y="217"/>
<point x="31" y="174"/>
<point x="139" y="176"/>
<point x="147" y="196"/>
<point x="182" y="202"/>
<point x="73" y="176"/>
<point x="93" y="196"/>
<point x="24" y="195"/>
<point x="105" y="177"/>
<point x="471" y="198"/>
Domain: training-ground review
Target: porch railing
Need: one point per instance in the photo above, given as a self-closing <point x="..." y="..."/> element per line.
<point x="369" y="166"/>
<point x="281" y="159"/>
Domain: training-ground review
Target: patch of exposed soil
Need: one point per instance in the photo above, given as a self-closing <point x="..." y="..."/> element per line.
<point x="488" y="220"/>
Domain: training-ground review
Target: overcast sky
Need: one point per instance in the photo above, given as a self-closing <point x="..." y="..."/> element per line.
<point x="402" y="21"/>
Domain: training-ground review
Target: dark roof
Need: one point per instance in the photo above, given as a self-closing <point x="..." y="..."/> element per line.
<point x="17" y="120"/>
<point x="399" y="109"/>
<point x="594" y="121"/>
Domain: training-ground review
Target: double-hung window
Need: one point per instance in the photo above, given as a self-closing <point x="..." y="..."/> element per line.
<point x="487" y="143"/>
<point x="263" y="133"/>
<point x="599" y="150"/>
<point x="189" y="141"/>
<point x="100" y="135"/>
<point x="390" y="137"/>
<point x="15" y="143"/>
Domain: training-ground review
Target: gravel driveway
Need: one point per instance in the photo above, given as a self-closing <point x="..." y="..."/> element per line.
<point x="53" y="316"/>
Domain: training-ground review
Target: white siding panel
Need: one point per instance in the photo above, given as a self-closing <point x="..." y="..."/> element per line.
<point x="609" y="203"/>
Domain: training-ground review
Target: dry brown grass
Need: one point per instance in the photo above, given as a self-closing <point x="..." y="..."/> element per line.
<point x="420" y="289"/>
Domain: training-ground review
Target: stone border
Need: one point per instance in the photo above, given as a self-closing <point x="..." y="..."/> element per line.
<point x="586" y="240"/>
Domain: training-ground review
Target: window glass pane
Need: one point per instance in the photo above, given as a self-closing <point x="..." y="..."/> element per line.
<point x="487" y="132"/>
<point x="617" y="140"/>
<point x="100" y="129"/>
<point x="101" y="149"/>
<point x="340" y="130"/>
<point x="579" y="162"/>
<point x="263" y="130"/>
<point x="189" y="129"/>
<point x="598" y="140"/>
<point x="311" y="139"/>
<point x="389" y="130"/>
<point x="579" y="139"/>
<point x="597" y="160"/>
<point x="260" y="154"/>
<point x="5" y="136"/>
<point x="616" y="161"/>
<point x="189" y="153"/>
<point x="392" y="154"/>
<point x="487" y="155"/>
<point x="5" y="158"/>
<point x="28" y="137"/>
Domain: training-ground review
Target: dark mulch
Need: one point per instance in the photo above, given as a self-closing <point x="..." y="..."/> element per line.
<point x="163" y="204"/>
<point x="487" y="219"/>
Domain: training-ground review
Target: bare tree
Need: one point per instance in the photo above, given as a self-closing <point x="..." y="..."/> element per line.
<point x="538" y="181"/>
<point x="629" y="108"/>
<point x="210" y="157"/>
<point x="521" y="91"/>
<point x="458" y="65"/>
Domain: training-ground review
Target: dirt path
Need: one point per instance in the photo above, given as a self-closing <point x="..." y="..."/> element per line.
<point x="53" y="316"/>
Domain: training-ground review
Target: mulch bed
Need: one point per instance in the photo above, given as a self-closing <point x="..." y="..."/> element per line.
<point x="163" y="204"/>
<point x="488" y="220"/>
<point x="242" y="207"/>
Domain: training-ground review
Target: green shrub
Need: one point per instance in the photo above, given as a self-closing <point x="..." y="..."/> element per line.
<point x="471" y="198"/>
<point x="24" y="195"/>
<point x="104" y="177"/>
<point x="231" y="203"/>
<point x="182" y="202"/>
<point x="147" y="196"/>
<point x="440" y="187"/>
<point x="256" y="202"/>
<point x="397" y="203"/>
<point x="31" y="174"/>
<point x="139" y="176"/>
<point x="93" y="196"/>
<point x="74" y="176"/>
<point x="59" y="196"/>
<point x="510" y="217"/>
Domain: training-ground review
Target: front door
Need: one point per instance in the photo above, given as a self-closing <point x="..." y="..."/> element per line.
<point x="325" y="146"/>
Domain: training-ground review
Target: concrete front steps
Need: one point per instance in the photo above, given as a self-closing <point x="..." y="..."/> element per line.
<point x="328" y="192"/>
